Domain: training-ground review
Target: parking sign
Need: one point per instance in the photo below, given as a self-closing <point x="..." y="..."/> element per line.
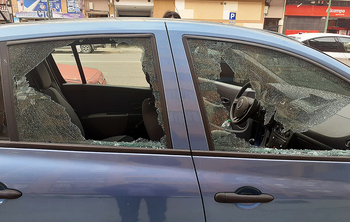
<point x="232" y="16"/>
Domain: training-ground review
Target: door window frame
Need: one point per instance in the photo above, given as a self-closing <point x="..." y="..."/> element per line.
<point x="203" y="114"/>
<point x="10" y="109"/>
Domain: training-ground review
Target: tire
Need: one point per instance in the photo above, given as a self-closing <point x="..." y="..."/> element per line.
<point x="86" y="48"/>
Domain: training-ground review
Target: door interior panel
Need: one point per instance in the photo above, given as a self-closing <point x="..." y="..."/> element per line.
<point x="104" y="125"/>
<point x="108" y="110"/>
<point x="91" y="99"/>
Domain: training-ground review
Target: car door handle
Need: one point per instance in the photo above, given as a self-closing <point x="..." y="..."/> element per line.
<point x="10" y="194"/>
<point x="225" y="101"/>
<point x="242" y="198"/>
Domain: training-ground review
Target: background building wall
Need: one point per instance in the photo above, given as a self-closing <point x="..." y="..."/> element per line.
<point x="64" y="6"/>
<point x="276" y="9"/>
<point x="161" y="6"/>
<point x="14" y="6"/>
<point x="274" y="15"/>
<point x="98" y="5"/>
<point x="249" y="12"/>
<point x="111" y="8"/>
<point x="97" y="8"/>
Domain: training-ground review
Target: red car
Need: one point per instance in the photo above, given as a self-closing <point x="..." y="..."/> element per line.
<point x="71" y="74"/>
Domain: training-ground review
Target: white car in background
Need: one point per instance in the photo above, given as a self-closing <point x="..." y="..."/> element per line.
<point x="335" y="45"/>
<point x="87" y="48"/>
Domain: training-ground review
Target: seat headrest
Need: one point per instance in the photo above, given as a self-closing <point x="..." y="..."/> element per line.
<point x="41" y="76"/>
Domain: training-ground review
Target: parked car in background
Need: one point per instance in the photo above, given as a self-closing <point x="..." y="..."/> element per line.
<point x="201" y="122"/>
<point x="89" y="48"/>
<point x="71" y="74"/>
<point x="335" y="45"/>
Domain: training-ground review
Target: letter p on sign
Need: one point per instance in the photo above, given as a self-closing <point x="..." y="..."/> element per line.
<point x="232" y="15"/>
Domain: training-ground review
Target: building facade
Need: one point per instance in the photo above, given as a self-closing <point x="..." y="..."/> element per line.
<point x="310" y="16"/>
<point x="274" y="15"/>
<point x="32" y="10"/>
<point x="249" y="13"/>
<point x="5" y="11"/>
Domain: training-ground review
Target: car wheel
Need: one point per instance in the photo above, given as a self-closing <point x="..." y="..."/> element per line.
<point x="86" y="48"/>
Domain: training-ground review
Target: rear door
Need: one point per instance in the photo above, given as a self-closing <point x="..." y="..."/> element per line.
<point x="50" y="172"/>
<point x="287" y="176"/>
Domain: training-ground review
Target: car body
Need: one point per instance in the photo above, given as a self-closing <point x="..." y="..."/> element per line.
<point x="173" y="136"/>
<point x="71" y="74"/>
<point x="335" y="45"/>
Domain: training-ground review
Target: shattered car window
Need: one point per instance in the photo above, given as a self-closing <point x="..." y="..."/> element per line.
<point x="292" y="92"/>
<point x="39" y="119"/>
<point x="40" y="109"/>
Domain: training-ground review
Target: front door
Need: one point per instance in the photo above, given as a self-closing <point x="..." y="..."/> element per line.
<point x="287" y="168"/>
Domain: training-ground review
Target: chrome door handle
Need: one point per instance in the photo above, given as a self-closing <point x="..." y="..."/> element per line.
<point x="242" y="198"/>
<point x="10" y="194"/>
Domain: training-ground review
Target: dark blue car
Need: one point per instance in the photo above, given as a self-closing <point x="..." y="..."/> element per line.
<point x="198" y="122"/>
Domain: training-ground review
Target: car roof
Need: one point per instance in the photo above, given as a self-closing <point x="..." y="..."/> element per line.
<point x="66" y="27"/>
<point x="96" y="26"/>
<point x="63" y="28"/>
<point x="306" y="36"/>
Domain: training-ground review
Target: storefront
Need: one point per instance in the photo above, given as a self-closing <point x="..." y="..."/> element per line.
<point x="99" y="8"/>
<point x="4" y="14"/>
<point x="134" y="8"/>
<point x="274" y="14"/>
<point x="32" y="10"/>
<point x="249" y="13"/>
<point x="312" y="18"/>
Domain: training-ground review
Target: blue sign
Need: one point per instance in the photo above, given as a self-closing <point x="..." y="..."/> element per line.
<point x="232" y="15"/>
<point x="75" y="6"/>
<point x="39" y="6"/>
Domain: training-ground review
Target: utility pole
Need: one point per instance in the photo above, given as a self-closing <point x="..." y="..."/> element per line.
<point x="48" y="9"/>
<point x="10" y="9"/>
<point x="328" y="10"/>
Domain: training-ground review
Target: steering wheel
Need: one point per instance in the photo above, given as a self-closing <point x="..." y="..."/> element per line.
<point x="243" y="107"/>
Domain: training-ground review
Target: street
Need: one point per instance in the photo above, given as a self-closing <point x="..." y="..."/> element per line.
<point x="120" y="66"/>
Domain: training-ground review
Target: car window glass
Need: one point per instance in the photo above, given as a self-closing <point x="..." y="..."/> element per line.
<point x="346" y="43"/>
<point x="293" y="94"/>
<point x="226" y="73"/>
<point x="43" y="113"/>
<point x="326" y="44"/>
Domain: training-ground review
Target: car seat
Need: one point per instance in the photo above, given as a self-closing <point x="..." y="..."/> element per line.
<point x="39" y="78"/>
